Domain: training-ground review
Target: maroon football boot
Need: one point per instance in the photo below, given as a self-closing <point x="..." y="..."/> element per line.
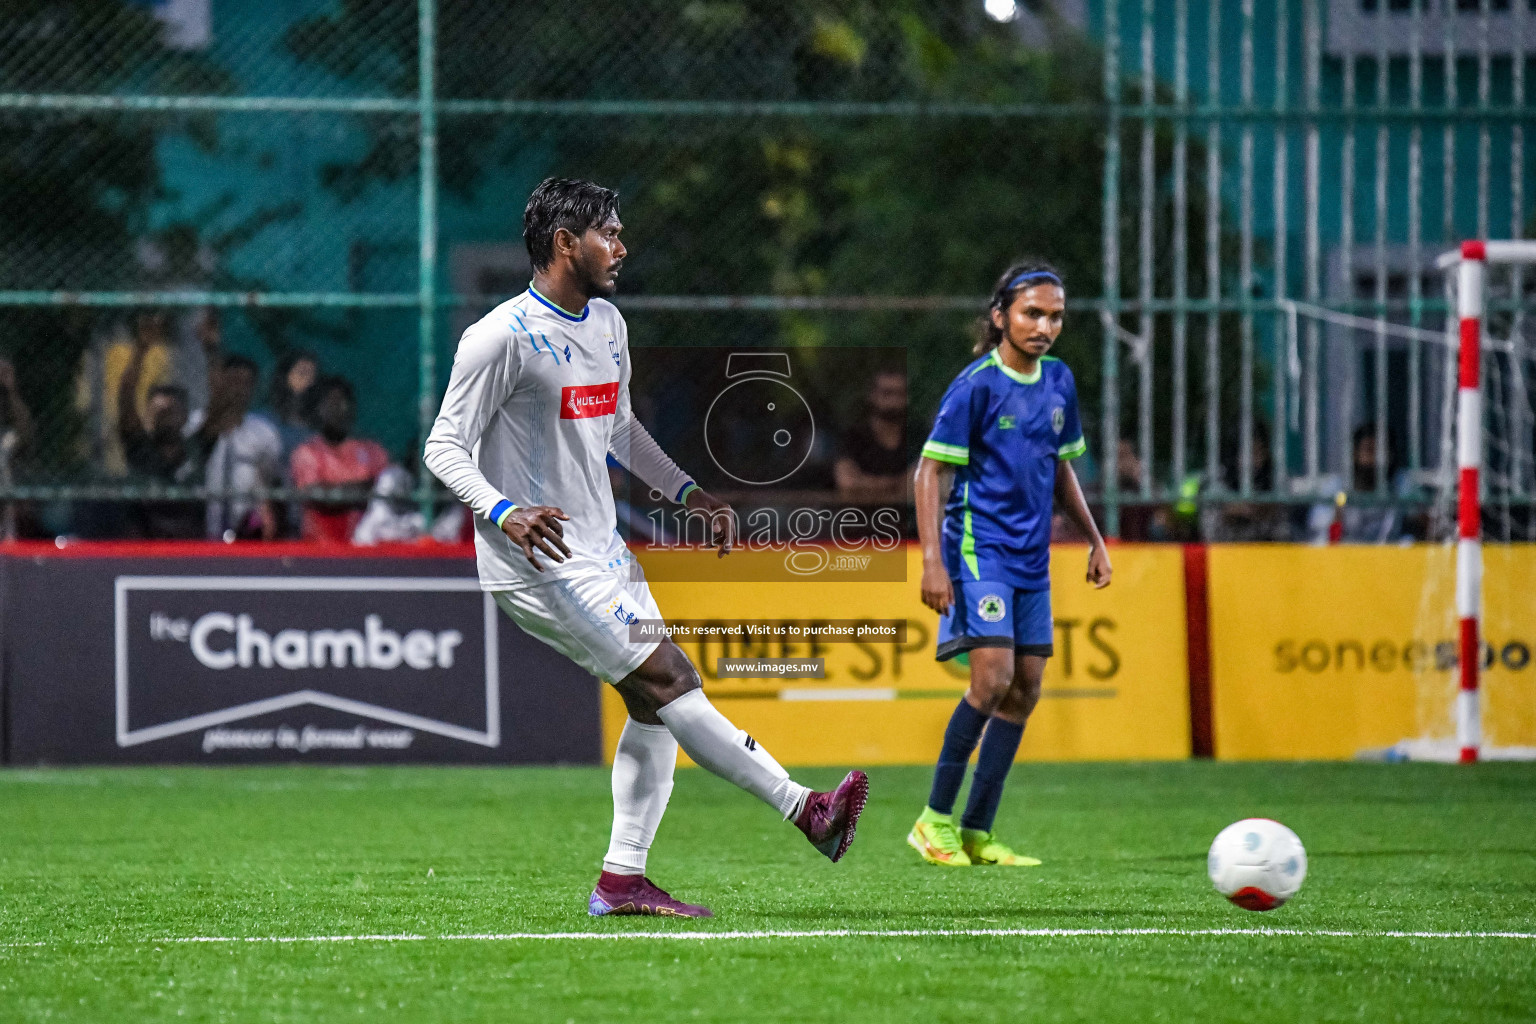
<point x="829" y="820"/>
<point x="636" y="894"/>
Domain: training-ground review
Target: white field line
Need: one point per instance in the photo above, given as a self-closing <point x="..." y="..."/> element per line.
<point x="829" y="933"/>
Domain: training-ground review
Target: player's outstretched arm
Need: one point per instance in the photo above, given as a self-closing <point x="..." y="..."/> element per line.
<point x="933" y="482"/>
<point x="1069" y="495"/>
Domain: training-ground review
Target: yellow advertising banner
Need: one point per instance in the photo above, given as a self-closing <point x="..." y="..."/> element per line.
<point x="1116" y="688"/>
<point x="1341" y="651"/>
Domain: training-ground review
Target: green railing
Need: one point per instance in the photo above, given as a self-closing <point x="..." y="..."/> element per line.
<point x="1234" y="240"/>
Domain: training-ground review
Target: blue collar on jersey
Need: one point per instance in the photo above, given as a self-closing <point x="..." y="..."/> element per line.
<point x="572" y="317"/>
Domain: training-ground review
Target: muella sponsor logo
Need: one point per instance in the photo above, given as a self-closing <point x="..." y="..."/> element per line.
<point x="222" y="640"/>
<point x="584" y="401"/>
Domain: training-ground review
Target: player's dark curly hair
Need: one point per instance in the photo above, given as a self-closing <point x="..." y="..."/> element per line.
<point x="568" y="203"/>
<point x="988" y="334"/>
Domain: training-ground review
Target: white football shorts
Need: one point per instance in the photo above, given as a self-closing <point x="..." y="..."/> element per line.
<point x="587" y="617"/>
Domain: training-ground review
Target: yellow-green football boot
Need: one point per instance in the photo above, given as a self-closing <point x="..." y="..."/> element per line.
<point x="936" y="840"/>
<point x="983" y="848"/>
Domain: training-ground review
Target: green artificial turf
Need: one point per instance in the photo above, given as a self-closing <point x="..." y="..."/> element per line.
<point x="102" y="868"/>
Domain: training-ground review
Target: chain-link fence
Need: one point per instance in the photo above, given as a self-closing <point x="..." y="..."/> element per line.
<point x="336" y="188"/>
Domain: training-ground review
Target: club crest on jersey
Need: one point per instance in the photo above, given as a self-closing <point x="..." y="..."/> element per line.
<point x="991" y="608"/>
<point x="1007" y="422"/>
<point x="613" y="348"/>
<point x="1058" y="419"/>
<point x="582" y="401"/>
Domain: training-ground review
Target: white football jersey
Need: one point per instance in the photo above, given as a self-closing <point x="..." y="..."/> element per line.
<point x="537" y="400"/>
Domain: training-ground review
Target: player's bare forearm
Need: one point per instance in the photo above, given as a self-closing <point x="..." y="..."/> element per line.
<point x="1069" y="495"/>
<point x="932" y="482"/>
<point x="929" y="485"/>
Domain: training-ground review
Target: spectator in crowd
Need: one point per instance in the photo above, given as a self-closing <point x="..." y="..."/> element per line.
<point x="97" y="391"/>
<point x="872" y="465"/>
<point x="333" y="458"/>
<point x="195" y="353"/>
<point x="1241" y="520"/>
<point x="290" y="400"/>
<point x="290" y="408"/>
<point x="159" y="450"/>
<point x="15" y="437"/>
<point x="392" y="516"/>
<point x="1363" y="523"/>
<point x="1135" y="520"/>
<point x="15" y="416"/>
<point x="1138" y="522"/>
<point x="245" y="456"/>
<point x="1369" y="465"/>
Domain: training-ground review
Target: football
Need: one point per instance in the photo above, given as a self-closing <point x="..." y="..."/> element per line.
<point x="1257" y="863"/>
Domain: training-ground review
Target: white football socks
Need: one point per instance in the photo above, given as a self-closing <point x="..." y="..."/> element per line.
<point x="642" y="784"/>
<point x="714" y="743"/>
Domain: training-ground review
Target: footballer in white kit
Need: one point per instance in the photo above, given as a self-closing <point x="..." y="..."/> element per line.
<point x="538" y="399"/>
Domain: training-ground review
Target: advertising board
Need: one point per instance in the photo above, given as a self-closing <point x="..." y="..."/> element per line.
<point x="1117" y="687"/>
<point x="248" y="659"/>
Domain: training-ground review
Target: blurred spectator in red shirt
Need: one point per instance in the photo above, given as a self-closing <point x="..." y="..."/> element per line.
<point x="333" y="458"/>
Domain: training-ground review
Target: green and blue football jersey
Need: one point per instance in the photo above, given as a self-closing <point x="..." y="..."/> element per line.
<point x="1004" y="432"/>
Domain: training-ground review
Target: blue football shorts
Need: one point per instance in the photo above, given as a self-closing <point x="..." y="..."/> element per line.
<point x="987" y="614"/>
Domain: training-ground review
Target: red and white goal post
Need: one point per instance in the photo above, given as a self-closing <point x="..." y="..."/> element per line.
<point x="1471" y="268"/>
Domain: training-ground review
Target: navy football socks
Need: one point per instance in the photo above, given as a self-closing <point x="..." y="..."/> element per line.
<point x="998" y="748"/>
<point x="960" y="738"/>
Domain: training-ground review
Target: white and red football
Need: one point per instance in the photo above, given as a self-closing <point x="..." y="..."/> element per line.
<point x="1257" y="863"/>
